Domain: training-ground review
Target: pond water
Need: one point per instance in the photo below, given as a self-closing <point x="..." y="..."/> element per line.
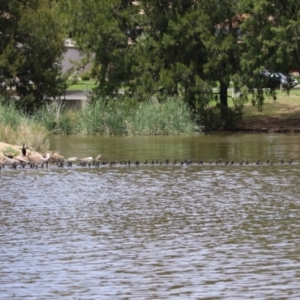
<point x="155" y="232"/>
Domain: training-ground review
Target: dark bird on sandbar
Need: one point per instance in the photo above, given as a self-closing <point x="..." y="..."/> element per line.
<point x="24" y="150"/>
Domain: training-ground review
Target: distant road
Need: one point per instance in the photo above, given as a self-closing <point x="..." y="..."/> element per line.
<point x="83" y="95"/>
<point x="75" y="95"/>
<point x="69" y="95"/>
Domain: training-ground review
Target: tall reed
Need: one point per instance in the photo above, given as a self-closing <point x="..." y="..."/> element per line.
<point x="169" y="117"/>
<point x="56" y="119"/>
<point x="17" y="128"/>
<point x="101" y="116"/>
<point x="146" y="118"/>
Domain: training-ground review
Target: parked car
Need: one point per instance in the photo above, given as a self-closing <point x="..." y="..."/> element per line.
<point x="276" y="79"/>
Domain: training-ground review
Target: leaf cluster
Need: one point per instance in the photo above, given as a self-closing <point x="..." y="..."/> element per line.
<point x="31" y="49"/>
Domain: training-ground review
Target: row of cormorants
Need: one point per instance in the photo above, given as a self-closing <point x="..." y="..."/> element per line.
<point x="97" y="162"/>
<point x="188" y="162"/>
<point x="35" y="160"/>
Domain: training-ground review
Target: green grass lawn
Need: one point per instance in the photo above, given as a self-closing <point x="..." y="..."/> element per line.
<point x="286" y="105"/>
<point x="82" y="85"/>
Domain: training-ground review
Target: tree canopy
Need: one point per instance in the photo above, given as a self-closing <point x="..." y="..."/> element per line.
<point x="188" y="47"/>
<point x="153" y="48"/>
<point x="31" y="48"/>
<point x="272" y="41"/>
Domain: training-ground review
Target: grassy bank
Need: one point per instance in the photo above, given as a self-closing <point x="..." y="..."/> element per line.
<point x="279" y="115"/>
<point x="282" y="114"/>
<point x="131" y="118"/>
<point x="100" y="117"/>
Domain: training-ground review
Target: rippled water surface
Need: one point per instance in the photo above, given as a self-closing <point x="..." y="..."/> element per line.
<point x="155" y="232"/>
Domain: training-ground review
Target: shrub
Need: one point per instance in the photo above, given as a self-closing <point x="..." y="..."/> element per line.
<point x="85" y="76"/>
<point x="9" y="151"/>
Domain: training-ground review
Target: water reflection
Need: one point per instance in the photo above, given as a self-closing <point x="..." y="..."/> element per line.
<point x="191" y="232"/>
<point x="208" y="146"/>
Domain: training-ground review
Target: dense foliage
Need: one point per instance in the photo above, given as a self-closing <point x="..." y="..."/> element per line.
<point x="194" y="50"/>
<point x="187" y="48"/>
<point x="31" y="48"/>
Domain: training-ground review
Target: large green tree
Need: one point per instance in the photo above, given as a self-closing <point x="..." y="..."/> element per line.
<point x="152" y="47"/>
<point x="106" y="31"/>
<point x="271" y="37"/>
<point x="187" y="47"/>
<point x="222" y="38"/>
<point x="31" y="49"/>
<point x="194" y="46"/>
<point x="161" y="47"/>
<point x="171" y="52"/>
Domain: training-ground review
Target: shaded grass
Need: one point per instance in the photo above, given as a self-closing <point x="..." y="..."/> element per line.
<point x="285" y="106"/>
<point x="284" y="112"/>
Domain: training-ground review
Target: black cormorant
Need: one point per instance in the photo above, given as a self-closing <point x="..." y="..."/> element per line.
<point x="24" y="150"/>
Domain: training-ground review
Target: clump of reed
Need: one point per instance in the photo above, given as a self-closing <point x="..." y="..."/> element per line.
<point x="17" y="128"/>
<point x="102" y="116"/>
<point x="56" y="119"/>
<point x="172" y="116"/>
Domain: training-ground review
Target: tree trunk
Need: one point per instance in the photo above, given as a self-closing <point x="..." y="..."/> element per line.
<point x="224" y="98"/>
<point x="190" y="98"/>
